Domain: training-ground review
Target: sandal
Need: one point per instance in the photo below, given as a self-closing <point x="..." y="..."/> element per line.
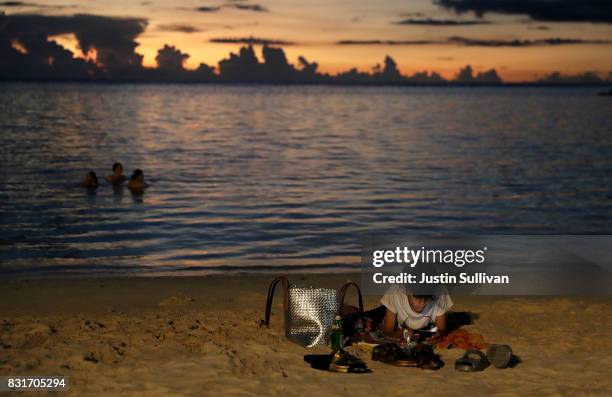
<point x="420" y="355"/>
<point x="344" y="362"/>
<point x="393" y="354"/>
<point x="472" y="361"/>
<point x="499" y="355"/>
<point x="319" y="361"/>
<point x="425" y="358"/>
<point x="340" y="361"/>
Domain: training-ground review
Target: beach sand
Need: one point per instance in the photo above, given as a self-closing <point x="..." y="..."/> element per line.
<point x="199" y="336"/>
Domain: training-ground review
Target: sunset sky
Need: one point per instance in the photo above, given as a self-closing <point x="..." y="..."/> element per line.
<point x="419" y="34"/>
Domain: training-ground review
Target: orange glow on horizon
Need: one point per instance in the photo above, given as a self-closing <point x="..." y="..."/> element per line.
<point x="511" y="64"/>
<point x="410" y="60"/>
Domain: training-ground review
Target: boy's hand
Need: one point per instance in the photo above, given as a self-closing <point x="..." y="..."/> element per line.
<point x="433" y="339"/>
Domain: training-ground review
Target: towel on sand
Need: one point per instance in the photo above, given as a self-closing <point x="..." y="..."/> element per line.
<point x="462" y="339"/>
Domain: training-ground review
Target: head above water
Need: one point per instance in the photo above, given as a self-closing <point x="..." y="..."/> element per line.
<point x="137" y="174"/>
<point x="91" y="179"/>
<point x="418" y="302"/>
<point x="118" y="168"/>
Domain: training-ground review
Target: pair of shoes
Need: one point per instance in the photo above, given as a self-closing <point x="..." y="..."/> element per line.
<point x="474" y="360"/>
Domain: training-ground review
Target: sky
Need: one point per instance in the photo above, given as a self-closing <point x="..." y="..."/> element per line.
<point x="522" y="40"/>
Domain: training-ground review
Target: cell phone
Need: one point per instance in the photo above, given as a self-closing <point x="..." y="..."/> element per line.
<point x="425" y="334"/>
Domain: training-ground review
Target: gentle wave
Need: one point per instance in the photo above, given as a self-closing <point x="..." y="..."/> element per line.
<point x="277" y="179"/>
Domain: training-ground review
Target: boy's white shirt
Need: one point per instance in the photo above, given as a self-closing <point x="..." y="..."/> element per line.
<point x="396" y="300"/>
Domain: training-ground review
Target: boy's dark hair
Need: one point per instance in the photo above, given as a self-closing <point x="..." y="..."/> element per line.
<point x="136" y="174"/>
<point x="93" y="176"/>
<point x="116" y="165"/>
<point x="427" y="297"/>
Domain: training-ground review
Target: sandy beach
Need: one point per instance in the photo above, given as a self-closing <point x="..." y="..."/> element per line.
<point x="195" y="336"/>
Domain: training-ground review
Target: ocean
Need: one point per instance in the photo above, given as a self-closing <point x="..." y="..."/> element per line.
<point x="252" y="179"/>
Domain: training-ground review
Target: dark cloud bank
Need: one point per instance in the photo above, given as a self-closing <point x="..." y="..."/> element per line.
<point x="466" y="41"/>
<point x="250" y="40"/>
<point x="593" y="11"/>
<point x="439" y="22"/>
<point x="28" y="53"/>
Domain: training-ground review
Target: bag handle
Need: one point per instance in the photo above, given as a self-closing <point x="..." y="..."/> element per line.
<point x="285" y="284"/>
<point x="343" y="293"/>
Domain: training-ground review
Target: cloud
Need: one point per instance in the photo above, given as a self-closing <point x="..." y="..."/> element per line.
<point x="247" y="7"/>
<point x="245" y="67"/>
<point x="28" y="52"/>
<point x="594" y="11"/>
<point x="171" y="67"/>
<point x="23" y="4"/>
<point x="440" y="22"/>
<point x="308" y="68"/>
<point x="538" y="27"/>
<point x="170" y="58"/>
<point x="412" y="15"/>
<point x="388" y="42"/>
<point x="206" y="9"/>
<point x="177" y="27"/>
<point x="236" y="4"/>
<point x="250" y="40"/>
<point x="113" y="40"/>
<point x="466" y="76"/>
<point x="523" y="43"/>
<point x="464" y="41"/>
<point x="580" y="78"/>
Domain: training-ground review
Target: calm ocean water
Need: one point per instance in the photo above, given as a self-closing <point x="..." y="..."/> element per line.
<point x="262" y="178"/>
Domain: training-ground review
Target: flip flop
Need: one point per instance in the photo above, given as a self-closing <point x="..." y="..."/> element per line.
<point x="499" y="355"/>
<point x="472" y="361"/>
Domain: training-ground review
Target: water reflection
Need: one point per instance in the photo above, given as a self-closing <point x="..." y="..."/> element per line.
<point x="256" y="178"/>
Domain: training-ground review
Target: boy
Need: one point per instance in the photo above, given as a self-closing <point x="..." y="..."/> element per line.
<point x="117" y="177"/>
<point x="405" y="312"/>
<point x="137" y="181"/>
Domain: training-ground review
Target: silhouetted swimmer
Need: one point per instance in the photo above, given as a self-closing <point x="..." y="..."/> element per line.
<point x="117" y="177"/>
<point x="137" y="181"/>
<point x="90" y="180"/>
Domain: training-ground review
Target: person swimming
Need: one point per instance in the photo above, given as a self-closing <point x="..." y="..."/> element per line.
<point x="90" y="180"/>
<point x="137" y="181"/>
<point x="117" y="177"/>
